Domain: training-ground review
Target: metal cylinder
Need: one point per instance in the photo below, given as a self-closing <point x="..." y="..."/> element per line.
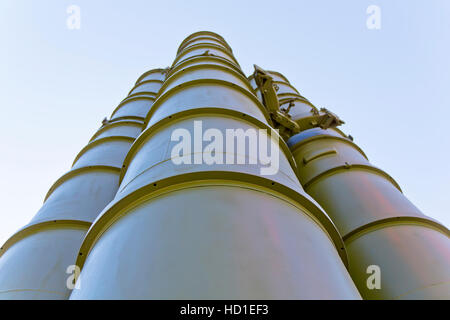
<point x="190" y="229"/>
<point x="380" y="226"/>
<point x="188" y="192"/>
<point x="395" y="251"/>
<point x="149" y="88"/>
<point x="153" y="74"/>
<point x="205" y="49"/>
<point x="203" y="37"/>
<point x="35" y="263"/>
<point x="140" y="99"/>
<point x="133" y="108"/>
<point x="124" y="127"/>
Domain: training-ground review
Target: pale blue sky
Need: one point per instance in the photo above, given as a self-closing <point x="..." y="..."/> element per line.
<point x="391" y="86"/>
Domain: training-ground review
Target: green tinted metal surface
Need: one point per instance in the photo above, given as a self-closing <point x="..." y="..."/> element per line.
<point x="210" y="231"/>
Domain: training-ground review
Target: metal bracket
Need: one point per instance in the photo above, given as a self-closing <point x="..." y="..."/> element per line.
<point x="269" y="89"/>
<point x="286" y="110"/>
<point x="328" y="119"/>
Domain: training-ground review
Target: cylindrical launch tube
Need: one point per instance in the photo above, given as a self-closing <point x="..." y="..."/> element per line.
<point x="195" y="218"/>
<point x="37" y="262"/>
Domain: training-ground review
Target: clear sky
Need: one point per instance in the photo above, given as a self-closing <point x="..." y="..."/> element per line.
<point x="391" y="85"/>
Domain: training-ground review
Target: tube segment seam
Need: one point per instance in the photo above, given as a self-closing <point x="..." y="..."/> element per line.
<point x="147" y="93"/>
<point x="75" y="172"/>
<point x="116" y="123"/>
<point x="32" y="290"/>
<point x="145" y="82"/>
<point x="134" y="119"/>
<point x="185" y="44"/>
<point x="178" y="66"/>
<point x="100" y="141"/>
<point x="420" y="288"/>
<point x="125" y="101"/>
<point x="204" y="111"/>
<point x="323" y="136"/>
<point x="202" y="33"/>
<point x="208" y="67"/>
<point x="206" y="46"/>
<point x="160" y="100"/>
<point x="41" y="225"/>
<point x="159" y="70"/>
<point x="115" y="209"/>
<point x="364" y="167"/>
<point x="394" y="221"/>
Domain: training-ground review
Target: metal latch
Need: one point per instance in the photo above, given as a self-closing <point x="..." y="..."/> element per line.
<point x="269" y="89"/>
